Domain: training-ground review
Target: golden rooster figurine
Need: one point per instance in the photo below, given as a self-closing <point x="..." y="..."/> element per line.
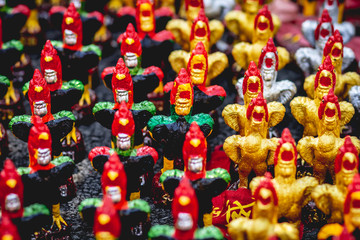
<point x="200" y="32"/>
<point x="330" y="198"/>
<point x="292" y="193"/>
<point x="334" y="48"/>
<point x="245" y="52"/>
<point x="240" y="22"/>
<point x="263" y="225"/>
<point x="320" y="152"/>
<point x="235" y="115"/>
<point x="182" y="29"/>
<point x="305" y="110"/>
<point x="255" y="151"/>
<point x="351" y="214"/>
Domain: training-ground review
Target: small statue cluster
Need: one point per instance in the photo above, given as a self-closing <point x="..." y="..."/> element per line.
<point x="162" y="107"/>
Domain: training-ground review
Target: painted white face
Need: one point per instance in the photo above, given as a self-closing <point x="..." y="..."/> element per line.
<point x="63" y="190"/>
<point x="184" y="222"/>
<point x="114" y="193"/>
<point x="77" y="3"/>
<point x="50" y="76"/>
<point x="131" y="60"/>
<point x="196" y="164"/>
<point x="122" y="95"/>
<point x="123" y="141"/>
<point x="332" y="7"/>
<point x="70" y="37"/>
<point x="268" y="70"/>
<point x="324" y="34"/>
<point x="44" y="156"/>
<point x="40" y="108"/>
<point x="2" y="3"/>
<point x="12" y="202"/>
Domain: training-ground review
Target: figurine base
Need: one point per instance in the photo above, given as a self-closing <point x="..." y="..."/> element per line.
<point x="83" y="114"/>
<point x="8" y="111"/>
<point x="76" y="151"/>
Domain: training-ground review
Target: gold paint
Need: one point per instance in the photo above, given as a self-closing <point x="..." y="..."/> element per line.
<point x="262" y="226"/>
<point x="167" y="165"/>
<point x="57" y="219"/>
<point x="292" y="193"/>
<point x="38" y="88"/>
<point x="69" y="20"/>
<point x="134" y="195"/>
<point x="217" y="62"/>
<point x="207" y="218"/>
<point x="344" y="82"/>
<point x="184" y="200"/>
<point x="104" y="236"/>
<point x="104" y="219"/>
<point x="309" y="7"/>
<point x="305" y="111"/>
<point x="120" y="76"/>
<point x="123" y="121"/>
<point x="195" y="142"/>
<point x="11" y="183"/>
<point x="129" y="41"/>
<point x="241" y="23"/>
<point x="10" y="94"/>
<point x="146" y="23"/>
<point x="251" y="150"/>
<point x="112" y="175"/>
<point x="183" y="105"/>
<point x="7" y="237"/>
<point x="44" y="136"/>
<point x="48" y="59"/>
<point x="330" y="198"/>
<point x="197" y="75"/>
<point x="181" y="29"/>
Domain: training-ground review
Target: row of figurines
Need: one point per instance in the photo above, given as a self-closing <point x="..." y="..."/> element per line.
<point x="49" y="181"/>
<point x="164" y="129"/>
<point x="204" y="97"/>
<point x="146" y="83"/>
<point x="80" y="62"/>
<point x="31" y="16"/>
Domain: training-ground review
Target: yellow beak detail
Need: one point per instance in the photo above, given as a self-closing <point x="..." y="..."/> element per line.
<point x="123" y="121"/>
<point x="120" y="76"/>
<point x="7" y="237"/>
<point x="44" y="136"/>
<point x="112" y="175"/>
<point x="103" y="219"/>
<point x="69" y="20"/>
<point x="48" y="59"/>
<point x="11" y="183"/>
<point x="129" y="41"/>
<point x="183" y="200"/>
<point x="195" y="142"/>
<point x="38" y="88"/>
